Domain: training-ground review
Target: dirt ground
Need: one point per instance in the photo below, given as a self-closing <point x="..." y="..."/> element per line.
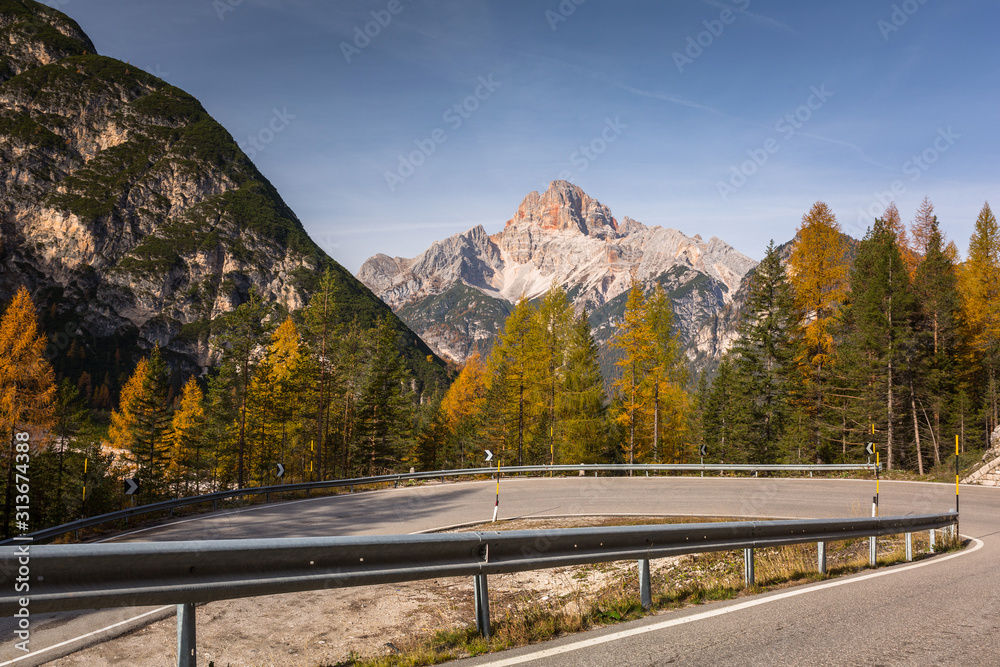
<point x="325" y="627"/>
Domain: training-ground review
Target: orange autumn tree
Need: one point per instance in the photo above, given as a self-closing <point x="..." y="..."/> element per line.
<point x="818" y="272"/>
<point x="27" y="384"/>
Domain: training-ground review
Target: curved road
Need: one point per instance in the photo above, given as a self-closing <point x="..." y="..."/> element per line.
<point x="941" y="610"/>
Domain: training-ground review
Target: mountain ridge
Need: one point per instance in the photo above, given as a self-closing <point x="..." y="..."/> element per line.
<point x="565" y="237"/>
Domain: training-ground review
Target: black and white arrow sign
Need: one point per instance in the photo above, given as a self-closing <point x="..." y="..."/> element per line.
<point x="131" y="486"/>
<point x="489" y="455"/>
<point x="281" y="470"/>
<point x="703" y="450"/>
<point x="870" y="449"/>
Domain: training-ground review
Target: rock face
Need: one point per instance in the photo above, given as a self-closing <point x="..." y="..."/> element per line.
<point x="129" y="211"/>
<point x="457" y="294"/>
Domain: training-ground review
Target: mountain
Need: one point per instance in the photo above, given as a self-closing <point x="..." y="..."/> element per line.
<point x="131" y="214"/>
<point x="458" y="292"/>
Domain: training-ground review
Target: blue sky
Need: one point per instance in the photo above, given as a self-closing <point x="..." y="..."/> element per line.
<point x="715" y="117"/>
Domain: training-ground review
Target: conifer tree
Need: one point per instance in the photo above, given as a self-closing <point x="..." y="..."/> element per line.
<point x="937" y="334"/>
<point x="636" y="343"/>
<point x="460" y="410"/>
<point x="664" y="388"/>
<point x="763" y="363"/>
<point x="582" y="403"/>
<point x="27" y="383"/>
<point x="882" y="308"/>
<point x="818" y="272"/>
<point x="513" y="368"/>
<point x="979" y="284"/>
<point x="185" y="437"/>
<point x="385" y="403"/>
<point x="554" y="316"/>
<point x="139" y="425"/>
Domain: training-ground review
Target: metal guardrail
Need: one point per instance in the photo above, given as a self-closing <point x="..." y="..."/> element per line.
<point x="92" y="576"/>
<point x="216" y="497"/>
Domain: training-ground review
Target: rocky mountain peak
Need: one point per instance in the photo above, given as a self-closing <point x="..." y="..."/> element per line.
<point x="565" y="207"/>
<point x="33" y="34"/>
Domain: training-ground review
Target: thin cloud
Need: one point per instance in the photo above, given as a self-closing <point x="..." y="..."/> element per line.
<point x="857" y="149"/>
<point x="759" y="19"/>
<point x="673" y="99"/>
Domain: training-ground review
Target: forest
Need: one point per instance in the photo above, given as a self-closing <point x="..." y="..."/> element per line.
<point x="893" y="339"/>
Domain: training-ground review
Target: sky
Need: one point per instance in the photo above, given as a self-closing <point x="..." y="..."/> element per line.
<point x="389" y="124"/>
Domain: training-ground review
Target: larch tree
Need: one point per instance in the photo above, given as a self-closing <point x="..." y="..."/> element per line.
<point x="185" y="436"/>
<point x="979" y="284"/>
<point x="27" y="383"/>
<point x="635" y="342"/>
<point x="461" y="407"/>
<point x="554" y="317"/>
<point x="582" y="403"/>
<point x="513" y="367"/>
<point x="139" y="425"/>
<point x="817" y="270"/>
<point x="665" y="393"/>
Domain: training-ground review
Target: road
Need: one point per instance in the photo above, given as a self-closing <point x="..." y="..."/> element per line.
<point x="941" y="610"/>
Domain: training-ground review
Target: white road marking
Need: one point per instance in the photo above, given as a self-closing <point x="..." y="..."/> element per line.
<point x="624" y="634"/>
<point x="33" y="654"/>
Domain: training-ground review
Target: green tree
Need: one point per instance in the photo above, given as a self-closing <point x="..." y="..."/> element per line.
<point x="385" y="403"/>
<point x="582" y="403"/>
<point x="514" y="368"/>
<point x="763" y="357"/>
<point x="554" y="317"/>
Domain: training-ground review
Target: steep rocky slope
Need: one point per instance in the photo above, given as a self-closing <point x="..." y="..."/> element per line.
<point x="129" y="211"/>
<point x="457" y="293"/>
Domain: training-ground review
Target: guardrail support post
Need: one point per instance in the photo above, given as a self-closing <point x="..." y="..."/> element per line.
<point x="909" y="547"/>
<point x="645" y="585"/>
<point x="872" y="548"/>
<point x="748" y="567"/>
<point x="482" y="600"/>
<point x="932" y="541"/>
<point x="821" y="557"/>
<point x="186" y="656"/>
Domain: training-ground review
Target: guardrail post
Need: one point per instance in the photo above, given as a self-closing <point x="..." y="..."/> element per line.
<point x="932" y="541"/>
<point x="645" y="585"/>
<point x="821" y="557"/>
<point x="748" y="567"/>
<point x="872" y="547"/>
<point x="909" y="547"/>
<point x="186" y="655"/>
<point x="482" y="600"/>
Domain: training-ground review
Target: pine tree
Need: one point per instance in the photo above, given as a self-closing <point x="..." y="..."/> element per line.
<point x="241" y="337"/>
<point x="818" y="273"/>
<point x="725" y="418"/>
<point x="762" y="352"/>
<point x="27" y="383"/>
<point x="937" y="334"/>
<point x="882" y="308"/>
<point x="582" y="403"/>
<point x="385" y="403"/>
<point x="922" y="228"/>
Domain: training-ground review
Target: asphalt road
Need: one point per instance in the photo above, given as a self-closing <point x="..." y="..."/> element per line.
<point x="941" y="610"/>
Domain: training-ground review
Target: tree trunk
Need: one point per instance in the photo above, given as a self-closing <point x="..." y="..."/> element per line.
<point x="890" y="418"/>
<point x="916" y="431"/>
<point x="520" y="423"/>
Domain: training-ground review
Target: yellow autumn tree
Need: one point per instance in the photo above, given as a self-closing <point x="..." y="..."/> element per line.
<point x="635" y="342"/>
<point x="979" y="286"/>
<point x="459" y="412"/>
<point x="818" y="272"/>
<point x="185" y="440"/>
<point x="27" y="383"/>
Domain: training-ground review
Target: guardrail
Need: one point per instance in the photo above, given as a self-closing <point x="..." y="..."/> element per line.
<point x="214" y="498"/>
<point x="92" y="576"/>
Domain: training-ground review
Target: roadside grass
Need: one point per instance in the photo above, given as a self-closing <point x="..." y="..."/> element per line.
<point x="683" y="582"/>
